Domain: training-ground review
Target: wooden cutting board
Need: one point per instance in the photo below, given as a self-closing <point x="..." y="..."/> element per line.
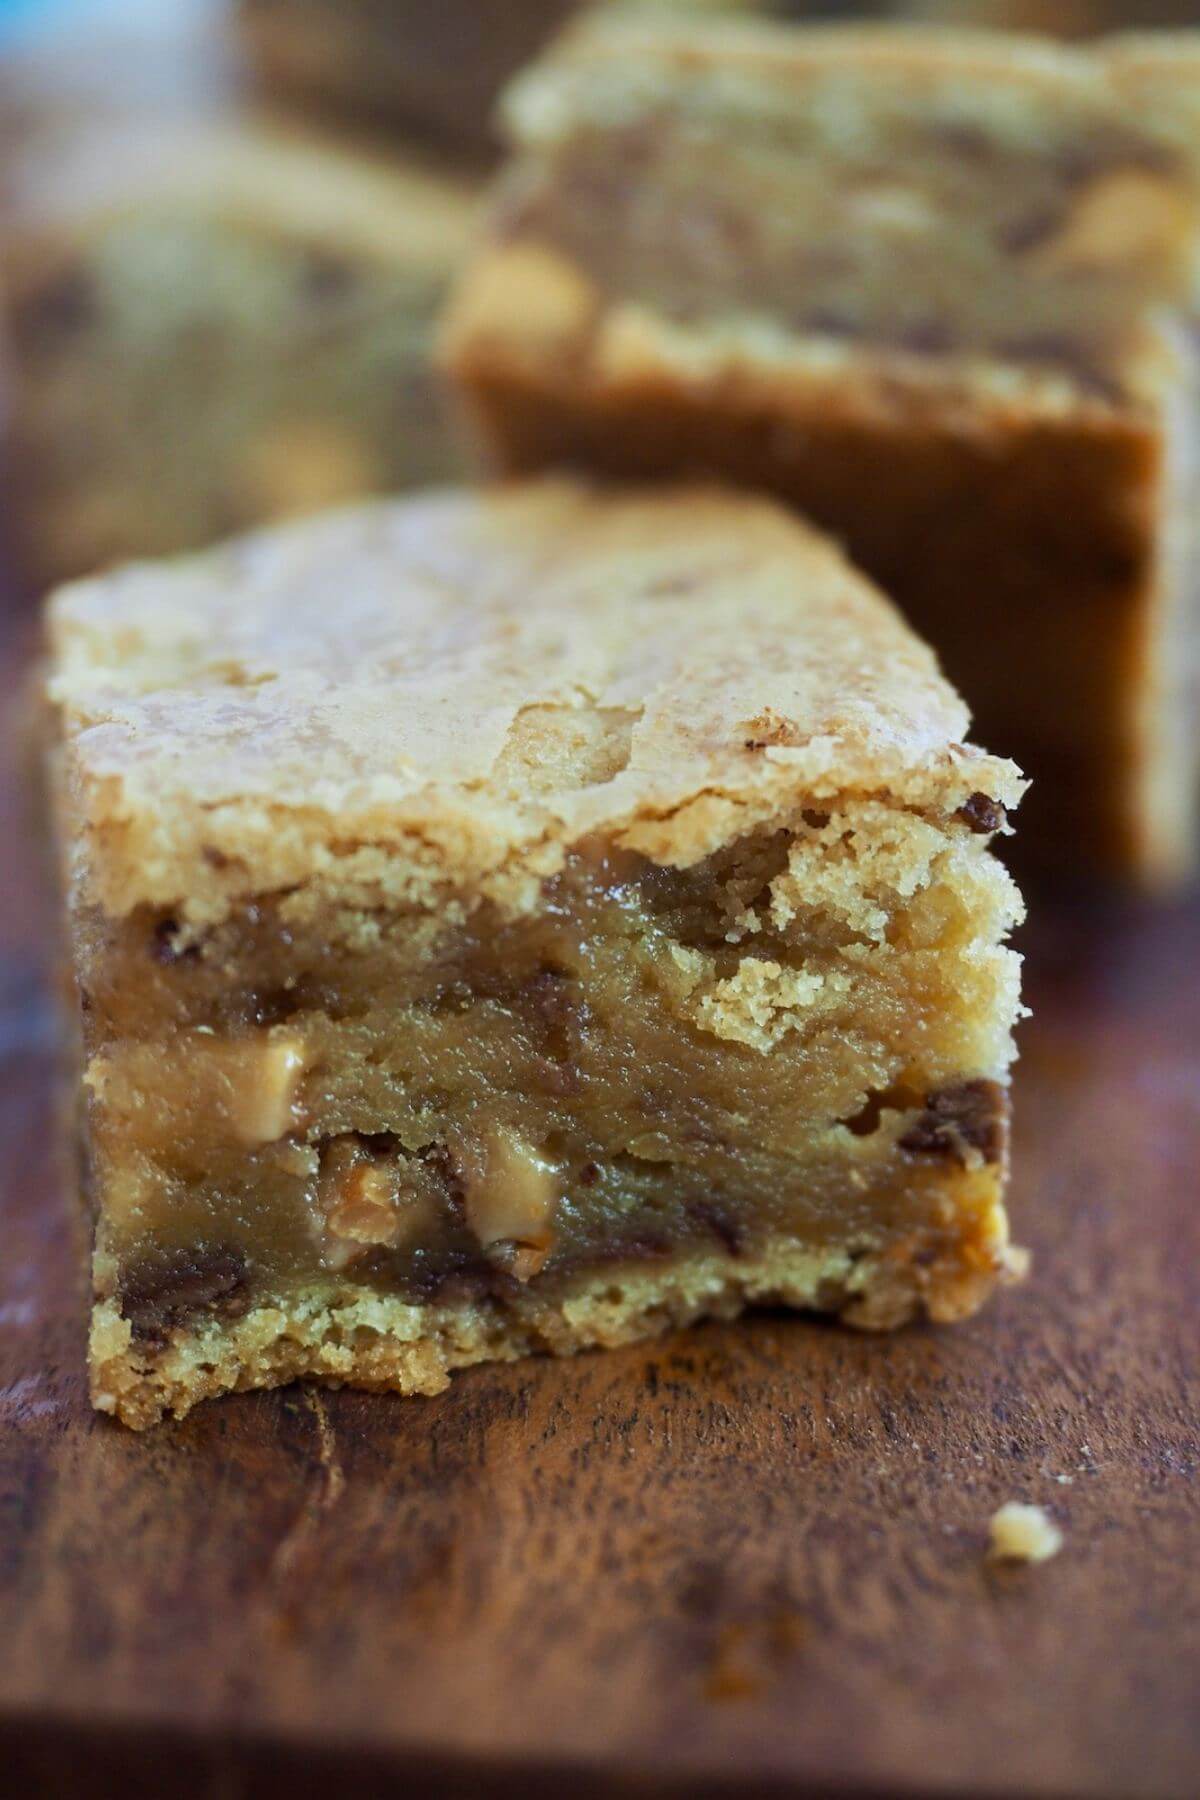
<point x="744" y="1560"/>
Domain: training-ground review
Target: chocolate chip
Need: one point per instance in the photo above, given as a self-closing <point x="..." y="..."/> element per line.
<point x="1030" y="229"/>
<point x="448" y="1276"/>
<point x="1076" y="164"/>
<point x="57" y="312"/>
<point x="327" y="279"/>
<point x="274" y="1006"/>
<point x="169" y="1288"/>
<point x="589" y="1175"/>
<point x="983" y="814"/>
<point x="715" y="1218"/>
<point x="925" y="337"/>
<point x="642" y="1246"/>
<point x="829" y="322"/>
<point x="961" y="138"/>
<point x="973" y="1115"/>
<point x="815" y="820"/>
<point x="466" y="1282"/>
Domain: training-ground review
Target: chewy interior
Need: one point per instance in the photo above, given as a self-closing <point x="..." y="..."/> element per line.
<point x="772" y="1042"/>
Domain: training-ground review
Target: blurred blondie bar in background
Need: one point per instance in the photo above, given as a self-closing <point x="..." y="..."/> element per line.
<point x="213" y="313"/>
<point x="936" y="289"/>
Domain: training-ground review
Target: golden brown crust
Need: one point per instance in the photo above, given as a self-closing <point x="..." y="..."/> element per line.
<point x="230" y="730"/>
<point x="390" y="1345"/>
<point x="524" y="312"/>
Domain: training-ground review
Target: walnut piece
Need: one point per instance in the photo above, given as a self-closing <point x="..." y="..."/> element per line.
<point x="368" y="1199"/>
<point x="263" y="1079"/>
<point x="511" y="1194"/>
<point x="1128" y="216"/>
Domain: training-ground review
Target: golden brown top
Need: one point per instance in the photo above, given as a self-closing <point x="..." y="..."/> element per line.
<point x="439" y="696"/>
<point x="1017" y="71"/>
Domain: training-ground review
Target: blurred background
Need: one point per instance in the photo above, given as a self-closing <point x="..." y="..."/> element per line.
<point x="226" y="227"/>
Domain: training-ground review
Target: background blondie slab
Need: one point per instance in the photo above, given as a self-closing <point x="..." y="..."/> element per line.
<point x="208" y="317"/>
<point x="516" y="922"/>
<point x="936" y="289"/>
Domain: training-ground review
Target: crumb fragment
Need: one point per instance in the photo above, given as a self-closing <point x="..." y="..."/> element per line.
<point x="769" y="727"/>
<point x="1021" y="1533"/>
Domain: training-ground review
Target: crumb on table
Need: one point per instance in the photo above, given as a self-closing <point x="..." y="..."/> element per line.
<point x="1021" y="1533"/>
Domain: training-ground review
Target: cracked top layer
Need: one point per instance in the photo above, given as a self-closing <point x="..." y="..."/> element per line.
<point x="417" y="700"/>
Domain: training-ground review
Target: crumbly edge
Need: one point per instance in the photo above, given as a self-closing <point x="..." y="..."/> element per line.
<point x="522" y="312"/>
<point x="430" y="853"/>
<point x="645" y="46"/>
<point x="389" y="1345"/>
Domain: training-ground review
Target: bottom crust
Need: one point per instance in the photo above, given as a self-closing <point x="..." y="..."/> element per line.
<point x="386" y="1344"/>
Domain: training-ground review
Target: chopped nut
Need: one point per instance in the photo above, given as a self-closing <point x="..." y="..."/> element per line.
<point x="366" y="1204"/>
<point x="1021" y="1533"/>
<point x="511" y="1194"/>
<point x="768" y="728"/>
<point x="968" y="1121"/>
<point x="264" y="1077"/>
<point x="371" y="1199"/>
<point x="528" y="1260"/>
<point x="1128" y="216"/>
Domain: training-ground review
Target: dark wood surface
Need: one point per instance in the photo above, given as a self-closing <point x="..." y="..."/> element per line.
<point x="743" y="1560"/>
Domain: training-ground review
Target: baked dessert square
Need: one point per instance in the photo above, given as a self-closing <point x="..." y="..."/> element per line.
<point x="938" y="290"/>
<point x="516" y="921"/>
<point x="212" y="320"/>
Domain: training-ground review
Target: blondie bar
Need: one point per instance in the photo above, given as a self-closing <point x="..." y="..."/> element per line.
<point x="207" y="323"/>
<point x="937" y="289"/>
<point x="521" y="921"/>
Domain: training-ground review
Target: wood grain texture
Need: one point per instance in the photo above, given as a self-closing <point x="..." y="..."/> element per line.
<point x="744" y="1560"/>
